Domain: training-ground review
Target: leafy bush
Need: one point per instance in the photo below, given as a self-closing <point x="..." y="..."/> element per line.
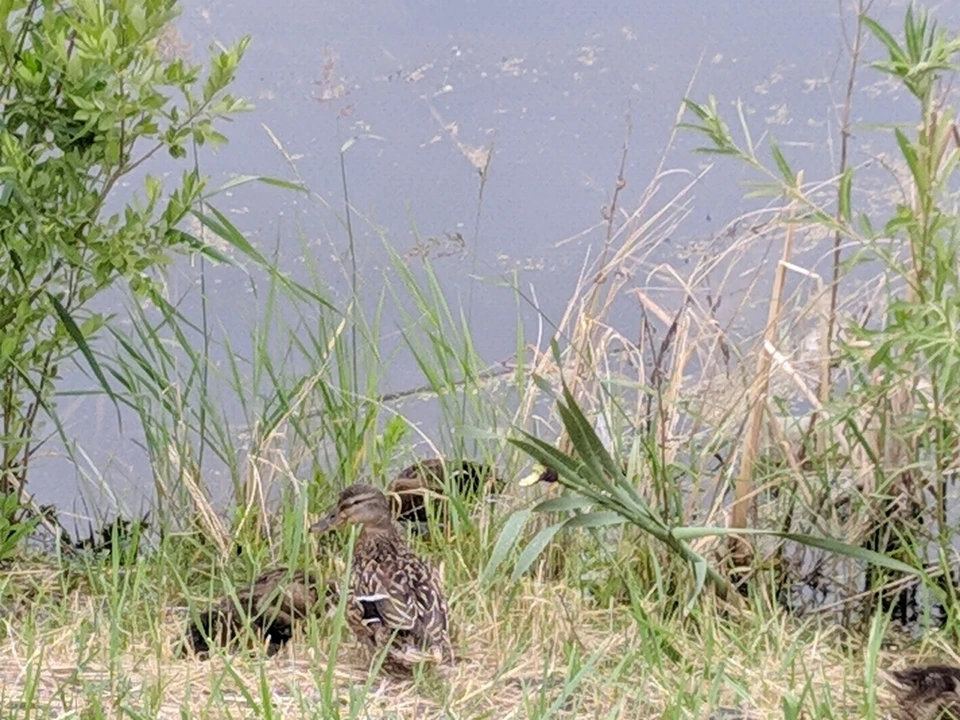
<point x="86" y="99"/>
<point x="15" y="526"/>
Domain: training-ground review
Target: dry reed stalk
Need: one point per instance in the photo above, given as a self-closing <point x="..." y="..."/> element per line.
<point x="671" y="417"/>
<point x="207" y="517"/>
<point x="780" y="437"/>
<point x="581" y="312"/>
<point x="726" y="261"/>
<point x="879" y="426"/>
<point x="740" y="548"/>
<point x="586" y="309"/>
<point x="586" y="318"/>
<point x="784" y="364"/>
<point x="856" y="49"/>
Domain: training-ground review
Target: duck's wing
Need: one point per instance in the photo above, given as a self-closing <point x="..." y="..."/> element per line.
<point x="385" y="609"/>
<point x="436" y="611"/>
<point x="414" y="597"/>
<point x="301" y="595"/>
<point x="384" y="592"/>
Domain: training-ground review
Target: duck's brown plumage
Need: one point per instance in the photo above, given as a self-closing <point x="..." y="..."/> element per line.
<point x="433" y="476"/>
<point x="394" y="601"/>
<point x="930" y="692"/>
<point x="274" y="603"/>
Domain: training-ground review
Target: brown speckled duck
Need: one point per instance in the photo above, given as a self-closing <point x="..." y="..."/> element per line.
<point x="930" y="692"/>
<point x="432" y="477"/>
<point x="276" y="601"/>
<point x="394" y="601"/>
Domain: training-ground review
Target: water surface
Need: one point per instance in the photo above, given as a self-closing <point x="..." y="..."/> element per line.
<point x="426" y="90"/>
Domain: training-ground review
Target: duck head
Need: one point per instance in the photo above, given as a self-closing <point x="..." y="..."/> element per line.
<point x="359" y="504"/>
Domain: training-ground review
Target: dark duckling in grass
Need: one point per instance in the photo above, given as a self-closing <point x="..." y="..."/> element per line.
<point x="273" y="605"/>
<point x="432" y="477"/>
<point x="547" y="475"/>
<point x="927" y="692"/>
<point x="394" y="604"/>
<point x="540" y="474"/>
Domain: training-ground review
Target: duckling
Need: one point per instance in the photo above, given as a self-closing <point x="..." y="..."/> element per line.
<point x="394" y="600"/>
<point x="930" y="692"/>
<point x="275" y="602"/>
<point x="431" y="477"/>
<point x="541" y="474"/>
<point x="547" y="474"/>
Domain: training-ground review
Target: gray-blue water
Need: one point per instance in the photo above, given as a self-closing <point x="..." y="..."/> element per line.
<point x="426" y="88"/>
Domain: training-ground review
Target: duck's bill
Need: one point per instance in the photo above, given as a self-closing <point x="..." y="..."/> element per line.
<point x="324" y="524"/>
<point x="534" y="477"/>
<point x="531" y="479"/>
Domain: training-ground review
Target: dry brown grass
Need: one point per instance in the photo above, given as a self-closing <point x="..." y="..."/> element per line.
<point x="516" y="661"/>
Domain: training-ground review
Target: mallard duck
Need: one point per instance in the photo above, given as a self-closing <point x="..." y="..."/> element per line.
<point x="930" y="692"/>
<point x="432" y="477"/>
<point x="274" y="603"/>
<point x="394" y="601"/>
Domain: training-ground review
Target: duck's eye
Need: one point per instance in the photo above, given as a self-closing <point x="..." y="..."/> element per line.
<point x="355" y="502"/>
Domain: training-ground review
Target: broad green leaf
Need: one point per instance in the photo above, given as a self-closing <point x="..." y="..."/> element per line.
<point x="788" y="175"/>
<point x="568" y="469"/>
<point x="587" y="443"/>
<point x="699" y="110"/>
<point x="81" y="342"/>
<point x="834" y="546"/>
<point x="544" y="386"/>
<point x="910" y="156"/>
<point x="843" y="195"/>
<point x="245" y="179"/>
<point x="563" y="504"/>
<point x="889" y="42"/>
<point x="532" y="551"/>
<point x="222" y="226"/>
<point x="596" y="519"/>
<point x="507" y="540"/>
<point x="202" y="247"/>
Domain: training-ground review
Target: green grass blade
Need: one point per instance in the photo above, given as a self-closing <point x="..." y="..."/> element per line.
<point x="77" y="336"/>
<point x="506" y="541"/>
<point x="533" y="550"/>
